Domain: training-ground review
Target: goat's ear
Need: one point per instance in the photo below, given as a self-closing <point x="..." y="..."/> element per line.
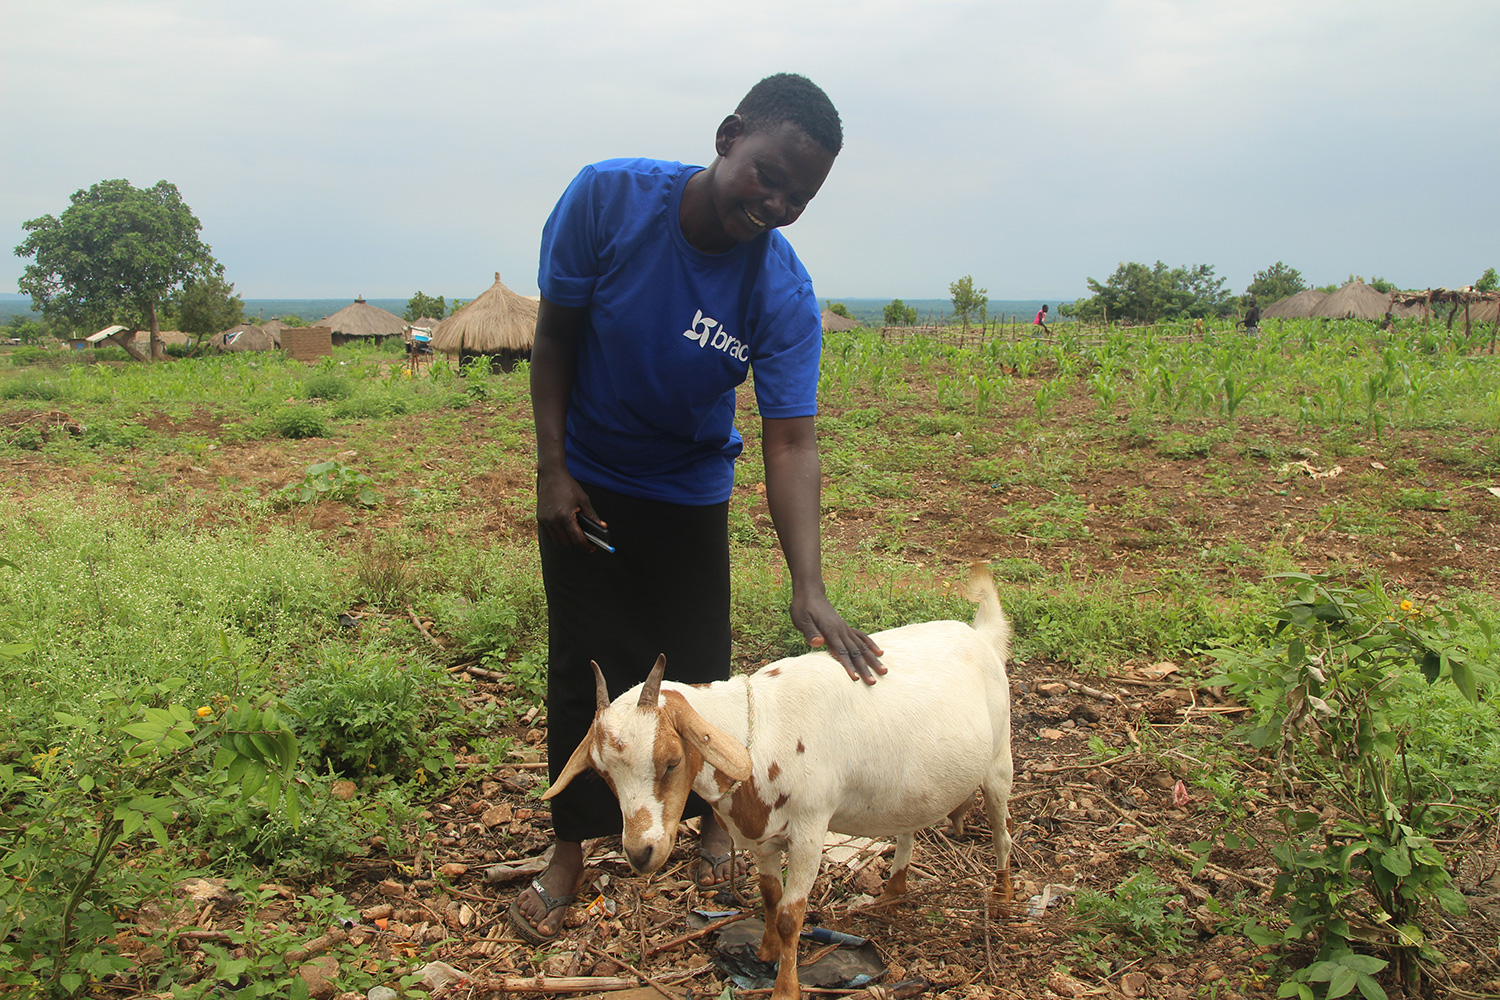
<point x="727" y="754"/>
<point x="581" y="761"/>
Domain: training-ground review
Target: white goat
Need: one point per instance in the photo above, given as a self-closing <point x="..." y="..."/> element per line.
<point x="797" y="749"/>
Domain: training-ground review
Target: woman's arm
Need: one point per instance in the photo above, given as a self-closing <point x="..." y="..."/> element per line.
<point x="793" y="490"/>
<point x="553" y="365"/>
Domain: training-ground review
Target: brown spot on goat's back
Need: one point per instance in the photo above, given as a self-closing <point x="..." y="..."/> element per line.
<point x="749" y="811"/>
<point x="781" y="800"/>
<point x="800" y="747"/>
<point x="773" y="771"/>
<point x="773" y="671"/>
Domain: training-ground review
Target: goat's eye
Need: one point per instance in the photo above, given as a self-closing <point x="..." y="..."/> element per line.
<point x="673" y="765"/>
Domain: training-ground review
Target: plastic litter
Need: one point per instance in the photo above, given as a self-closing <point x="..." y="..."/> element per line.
<point x="1050" y="896"/>
<point x="853" y="965"/>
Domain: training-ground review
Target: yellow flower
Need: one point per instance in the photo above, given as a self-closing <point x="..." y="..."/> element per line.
<point x="205" y="712"/>
<point x="1407" y="606"/>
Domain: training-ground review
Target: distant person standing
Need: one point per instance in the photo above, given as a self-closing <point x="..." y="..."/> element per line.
<point x="1041" y="319"/>
<point x="1251" y="321"/>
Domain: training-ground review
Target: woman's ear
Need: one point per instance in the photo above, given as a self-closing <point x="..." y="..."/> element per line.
<point x="731" y="130"/>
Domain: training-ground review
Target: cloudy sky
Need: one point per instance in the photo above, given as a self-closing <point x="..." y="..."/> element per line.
<point x="335" y="148"/>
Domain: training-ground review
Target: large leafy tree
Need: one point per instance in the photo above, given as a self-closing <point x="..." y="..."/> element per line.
<point x="116" y="255"/>
<point x="1276" y="282"/>
<point x="968" y="301"/>
<point x="1141" y="293"/>
<point x="420" y="305"/>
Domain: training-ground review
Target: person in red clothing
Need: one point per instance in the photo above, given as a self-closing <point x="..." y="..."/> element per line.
<point x="1041" y="319"/>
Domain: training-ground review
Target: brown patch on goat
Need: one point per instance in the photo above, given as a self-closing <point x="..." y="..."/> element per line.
<point x="789" y="918"/>
<point x="637" y="822"/>
<point x="800" y="747"/>
<point x="773" y="771"/>
<point x="671" y="746"/>
<point x="895" y="886"/>
<point x="773" y="671"/>
<point x="749" y="812"/>
<point x="781" y="800"/>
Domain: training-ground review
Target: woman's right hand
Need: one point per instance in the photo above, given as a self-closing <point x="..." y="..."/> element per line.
<point x="559" y="498"/>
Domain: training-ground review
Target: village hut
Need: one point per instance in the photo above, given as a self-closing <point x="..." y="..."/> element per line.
<point x="1356" y="300"/>
<point x="272" y="328"/>
<point x="423" y="323"/>
<point x="361" y="321"/>
<point x="1299" y="306"/>
<point x="244" y="337"/>
<point x="499" y="325"/>
<point x="833" y="322"/>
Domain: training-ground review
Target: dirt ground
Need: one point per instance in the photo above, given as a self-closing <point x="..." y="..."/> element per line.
<point x="1079" y="823"/>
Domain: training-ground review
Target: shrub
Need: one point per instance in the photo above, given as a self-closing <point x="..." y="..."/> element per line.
<point x="299" y="422"/>
<point x="369" y="717"/>
<point x="324" y="385"/>
<point x="28" y="386"/>
<point x="23" y="356"/>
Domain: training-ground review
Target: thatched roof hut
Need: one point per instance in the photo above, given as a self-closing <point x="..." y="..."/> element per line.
<point x="244" y="337"/>
<point x="833" y="322"/>
<point x="1356" y="300"/>
<point x="1299" y="306"/>
<point x="272" y="328"/>
<point x="423" y="323"/>
<point x="360" y="320"/>
<point x="499" y="324"/>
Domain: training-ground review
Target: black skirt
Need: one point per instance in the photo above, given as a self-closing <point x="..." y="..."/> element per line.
<point x="665" y="590"/>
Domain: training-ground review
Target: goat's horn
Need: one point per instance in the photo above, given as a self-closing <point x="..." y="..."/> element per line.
<point x="600" y="688"/>
<point x="652" y="690"/>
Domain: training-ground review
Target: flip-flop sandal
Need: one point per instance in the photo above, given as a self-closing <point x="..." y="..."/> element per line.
<point x="531" y="932"/>
<point x="714" y="861"/>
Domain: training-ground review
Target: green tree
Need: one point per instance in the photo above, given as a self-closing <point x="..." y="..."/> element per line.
<point x="1276" y="282"/>
<point x="898" y="313"/>
<point x="1488" y="282"/>
<point x="968" y="300"/>
<point x="839" y="309"/>
<point x="1146" y="294"/>
<point x="1381" y="285"/>
<point x="206" y="306"/>
<point x="115" y="255"/>
<point x="420" y="305"/>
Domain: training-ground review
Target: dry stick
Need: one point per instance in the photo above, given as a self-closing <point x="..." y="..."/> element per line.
<point x="682" y="939"/>
<point x="630" y="968"/>
<point x="564" y="984"/>
<point x="422" y="628"/>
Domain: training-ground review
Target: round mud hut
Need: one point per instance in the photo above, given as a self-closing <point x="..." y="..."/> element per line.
<point x="1299" y="306"/>
<point x="361" y="321"/>
<point x="244" y="337"/>
<point x="833" y="322"/>
<point x="499" y="325"/>
<point x="1356" y="300"/>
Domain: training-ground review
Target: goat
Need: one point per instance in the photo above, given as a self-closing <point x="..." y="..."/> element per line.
<point x="795" y="750"/>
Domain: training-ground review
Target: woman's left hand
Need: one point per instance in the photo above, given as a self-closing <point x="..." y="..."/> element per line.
<point x="824" y="627"/>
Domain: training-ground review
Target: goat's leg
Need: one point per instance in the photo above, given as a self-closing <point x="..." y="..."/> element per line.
<point x="997" y="786"/>
<point x="768" y="872"/>
<point x="895" y="885"/>
<point x="956" y="817"/>
<point x="802" y="860"/>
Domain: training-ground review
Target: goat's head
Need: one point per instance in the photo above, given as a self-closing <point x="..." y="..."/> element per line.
<point x="651" y="752"/>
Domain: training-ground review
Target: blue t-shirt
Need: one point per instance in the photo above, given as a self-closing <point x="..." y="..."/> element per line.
<point x="670" y="332"/>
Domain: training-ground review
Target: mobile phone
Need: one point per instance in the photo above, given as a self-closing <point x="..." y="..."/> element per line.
<point x="594" y="531"/>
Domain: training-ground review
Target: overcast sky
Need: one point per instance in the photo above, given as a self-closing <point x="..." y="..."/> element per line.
<point x="336" y="148"/>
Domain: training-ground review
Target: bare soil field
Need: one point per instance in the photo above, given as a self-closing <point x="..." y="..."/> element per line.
<point x="1136" y="506"/>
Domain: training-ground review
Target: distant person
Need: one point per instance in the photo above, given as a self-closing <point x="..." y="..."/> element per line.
<point x="1041" y="319"/>
<point x="1251" y="322"/>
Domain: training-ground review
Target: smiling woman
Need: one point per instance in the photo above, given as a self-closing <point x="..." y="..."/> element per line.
<point x="663" y="286"/>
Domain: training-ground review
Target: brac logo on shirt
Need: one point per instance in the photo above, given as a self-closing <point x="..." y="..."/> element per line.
<point x="713" y="333"/>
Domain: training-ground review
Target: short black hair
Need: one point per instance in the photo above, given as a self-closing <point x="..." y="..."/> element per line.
<point x="791" y="97"/>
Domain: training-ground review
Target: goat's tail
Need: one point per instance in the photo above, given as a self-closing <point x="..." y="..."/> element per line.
<point x="989" y="620"/>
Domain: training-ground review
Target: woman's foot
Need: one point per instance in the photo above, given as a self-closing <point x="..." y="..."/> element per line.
<point x="539" y="909"/>
<point x="718" y="864"/>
